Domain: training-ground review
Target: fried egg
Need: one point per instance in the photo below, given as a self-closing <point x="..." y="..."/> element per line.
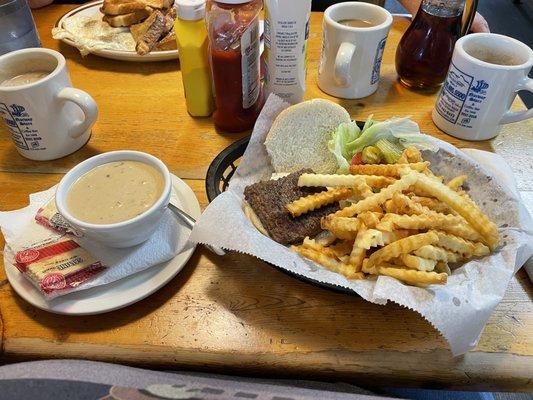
<point x="91" y="33"/>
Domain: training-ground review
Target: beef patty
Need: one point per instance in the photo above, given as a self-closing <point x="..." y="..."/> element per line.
<point x="268" y="200"/>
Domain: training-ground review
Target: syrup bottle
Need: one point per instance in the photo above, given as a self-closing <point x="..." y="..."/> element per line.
<point x="425" y="50"/>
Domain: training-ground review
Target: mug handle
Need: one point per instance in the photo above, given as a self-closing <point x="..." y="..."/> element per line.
<point x="87" y="104"/>
<point x="343" y="60"/>
<point x="526" y="84"/>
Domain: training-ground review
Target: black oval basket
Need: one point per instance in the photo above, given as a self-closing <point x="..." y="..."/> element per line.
<point x="223" y="167"/>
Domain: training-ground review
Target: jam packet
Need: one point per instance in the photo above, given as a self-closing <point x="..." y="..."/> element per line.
<point x="56" y="264"/>
<point x="49" y="255"/>
<point x="49" y="217"/>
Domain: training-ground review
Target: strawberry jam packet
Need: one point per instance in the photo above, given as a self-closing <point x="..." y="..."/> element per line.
<point x="57" y="265"/>
<point x="49" y="217"/>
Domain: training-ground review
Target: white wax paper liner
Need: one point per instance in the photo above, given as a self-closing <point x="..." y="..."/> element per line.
<point x="459" y="309"/>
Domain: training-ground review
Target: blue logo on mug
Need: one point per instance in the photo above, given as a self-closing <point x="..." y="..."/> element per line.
<point x="17" y="111"/>
<point x="480" y="85"/>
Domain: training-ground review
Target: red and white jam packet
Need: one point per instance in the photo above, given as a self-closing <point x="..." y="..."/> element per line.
<point x="52" y="259"/>
<point x="49" y="217"/>
<point x="56" y="265"/>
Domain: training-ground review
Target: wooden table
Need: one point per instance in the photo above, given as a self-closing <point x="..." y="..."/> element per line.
<point x="236" y="314"/>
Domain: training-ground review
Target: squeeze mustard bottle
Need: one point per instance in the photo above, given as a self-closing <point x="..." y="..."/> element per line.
<point x="233" y="29"/>
<point x="191" y="37"/>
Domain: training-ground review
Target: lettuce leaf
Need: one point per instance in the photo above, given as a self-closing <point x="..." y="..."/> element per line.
<point x="417" y="140"/>
<point x="345" y="133"/>
<point x="348" y="139"/>
<point x="368" y="123"/>
<point x="382" y="130"/>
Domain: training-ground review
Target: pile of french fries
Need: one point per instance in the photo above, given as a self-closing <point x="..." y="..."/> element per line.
<point x="398" y="220"/>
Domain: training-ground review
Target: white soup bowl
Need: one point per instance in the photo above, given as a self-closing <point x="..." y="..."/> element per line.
<point x="121" y="234"/>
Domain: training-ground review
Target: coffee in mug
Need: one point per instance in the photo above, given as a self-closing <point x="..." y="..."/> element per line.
<point x="493" y="57"/>
<point x="486" y="72"/>
<point x="357" y="23"/>
<point x="46" y="116"/>
<point x="25" y="78"/>
<point x="353" y="42"/>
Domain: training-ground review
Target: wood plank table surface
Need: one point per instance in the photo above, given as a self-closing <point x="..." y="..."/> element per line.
<point x="235" y="314"/>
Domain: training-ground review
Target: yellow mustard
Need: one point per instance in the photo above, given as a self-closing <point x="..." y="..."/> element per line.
<point x="191" y="37"/>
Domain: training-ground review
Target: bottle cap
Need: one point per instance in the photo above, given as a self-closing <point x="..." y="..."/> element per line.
<point x="233" y="1"/>
<point x="190" y="10"/>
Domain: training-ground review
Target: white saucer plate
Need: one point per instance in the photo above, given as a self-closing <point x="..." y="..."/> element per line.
<point x="118" y="294"/>
<point x="93" y="9"/>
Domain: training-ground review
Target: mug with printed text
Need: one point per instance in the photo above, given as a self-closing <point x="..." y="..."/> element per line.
<point x="486" y="72"/>
<point x="46" y="117"/>
<point x="354" y="36"/>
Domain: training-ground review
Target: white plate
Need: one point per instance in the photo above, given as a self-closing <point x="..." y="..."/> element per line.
<point x="118" y="294"/>
<point x="92" y="9"/>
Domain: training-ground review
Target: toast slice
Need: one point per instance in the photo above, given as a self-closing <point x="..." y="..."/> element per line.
<point x="169" y="22"/>
<point x="171" y="12"/>
<point x="157" y="4"/>
<point x="167" y="39"/>
<point x="137" y="30"/>
<point x="121" y="7"/>
<point x="126" y="19"/>
<point x="149" y="33"/>
<point x="168" y="42"/>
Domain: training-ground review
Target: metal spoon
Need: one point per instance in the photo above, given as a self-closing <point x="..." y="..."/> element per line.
<point x="189" y="222"/>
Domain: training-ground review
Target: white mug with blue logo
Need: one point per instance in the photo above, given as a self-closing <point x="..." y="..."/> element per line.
<point x="486" y="72"/>
<point x="351" y="55"/>
<point x="46" y="117"/>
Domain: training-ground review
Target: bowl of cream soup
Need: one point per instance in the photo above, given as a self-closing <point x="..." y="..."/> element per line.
<point x="116" y="198"/>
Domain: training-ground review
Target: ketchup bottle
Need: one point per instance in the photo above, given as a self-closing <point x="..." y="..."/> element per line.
<point x="233" y="29"/>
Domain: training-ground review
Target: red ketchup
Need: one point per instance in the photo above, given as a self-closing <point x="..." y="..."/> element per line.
<point x="233" y="27"/>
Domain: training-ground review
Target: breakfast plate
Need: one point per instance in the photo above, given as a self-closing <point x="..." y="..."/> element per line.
<point x="92" y="9"/>
<point x="118" y="294"/>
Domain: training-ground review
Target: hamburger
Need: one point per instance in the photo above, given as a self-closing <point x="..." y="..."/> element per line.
<point x="296" y="143"/>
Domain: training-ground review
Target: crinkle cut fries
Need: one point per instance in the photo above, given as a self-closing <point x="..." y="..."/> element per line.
<point x="398" y="220"/>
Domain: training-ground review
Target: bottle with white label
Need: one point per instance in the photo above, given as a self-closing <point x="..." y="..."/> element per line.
<point x="233" y="30"/>
<point x="286" y="34"/>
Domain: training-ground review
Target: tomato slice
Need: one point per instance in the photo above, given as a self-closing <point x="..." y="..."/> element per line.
<point x="357" y="159"/>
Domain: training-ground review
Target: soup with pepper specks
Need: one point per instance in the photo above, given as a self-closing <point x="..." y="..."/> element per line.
<point x="115" y="192"/>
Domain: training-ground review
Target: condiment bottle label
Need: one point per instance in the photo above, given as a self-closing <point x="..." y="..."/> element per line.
<point x="286" y="34"/>
<point x="250" y="64"/>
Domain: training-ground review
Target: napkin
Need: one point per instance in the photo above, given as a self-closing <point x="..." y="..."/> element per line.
<point x="459" y="309"/>
<point x="497" y="165"/>
<point x="168" y="240"/>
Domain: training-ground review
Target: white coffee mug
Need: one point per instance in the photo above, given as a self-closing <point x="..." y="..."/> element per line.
<point x="47" y="119"/>
<point x="486" y="72"/>
<point x="351" y="56"/>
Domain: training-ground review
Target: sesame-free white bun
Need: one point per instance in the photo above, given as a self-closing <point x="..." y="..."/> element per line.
<point x="299" y="136"/>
